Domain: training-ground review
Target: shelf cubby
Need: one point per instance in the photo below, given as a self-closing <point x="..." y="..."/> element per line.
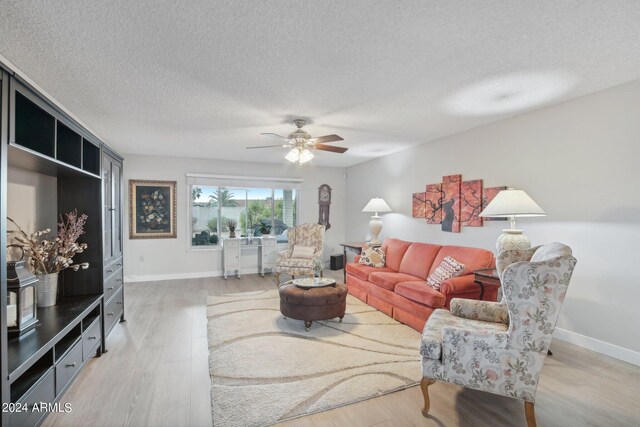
<point x="68" y="145"/>
<point x="67" y="342"/>
<point x="90" y="157"/>
<point x="35" y="128"/>
<point x="31" y="376"/>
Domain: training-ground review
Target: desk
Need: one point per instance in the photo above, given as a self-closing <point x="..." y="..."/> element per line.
<point x="353" y="247"/>
<point x="487" y="276"/>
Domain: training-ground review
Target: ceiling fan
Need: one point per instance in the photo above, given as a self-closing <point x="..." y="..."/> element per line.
<point x="301" y="144"/>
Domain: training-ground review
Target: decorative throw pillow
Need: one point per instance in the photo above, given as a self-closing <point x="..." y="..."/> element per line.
<point x="300" y="251"/>
<point x="372" y="256"/>
<point x="447" y="269"/>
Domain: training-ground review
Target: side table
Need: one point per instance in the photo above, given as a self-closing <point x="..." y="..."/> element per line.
<point x="354" y="247"/>
<point x="484" y="277"/>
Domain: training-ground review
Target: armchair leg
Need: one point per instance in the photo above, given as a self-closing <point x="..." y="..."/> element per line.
<point x="277" y="276"/>
<point x="530" y="414"/>
<point x="424" y="386"/>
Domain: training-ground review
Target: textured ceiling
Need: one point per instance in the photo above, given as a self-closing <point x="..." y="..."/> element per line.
<point x="204" y="78"/>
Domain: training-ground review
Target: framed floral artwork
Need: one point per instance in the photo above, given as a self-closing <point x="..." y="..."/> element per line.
<point x="152" y="209"/>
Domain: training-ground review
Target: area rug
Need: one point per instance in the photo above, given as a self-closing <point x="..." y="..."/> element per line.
<point x="266" y="369"/>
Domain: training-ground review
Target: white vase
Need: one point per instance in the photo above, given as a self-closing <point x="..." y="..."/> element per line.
<point x="47" y="289"/>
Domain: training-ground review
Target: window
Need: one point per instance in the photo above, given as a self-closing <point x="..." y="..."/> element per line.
<point x="252" y="211"/>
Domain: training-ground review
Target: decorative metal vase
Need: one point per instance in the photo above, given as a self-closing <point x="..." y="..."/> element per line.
<point x="47" y="289"/>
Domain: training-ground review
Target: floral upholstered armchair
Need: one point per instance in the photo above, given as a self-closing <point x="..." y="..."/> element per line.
<point x="500" y="347"/>
<point x="304" y="252"/>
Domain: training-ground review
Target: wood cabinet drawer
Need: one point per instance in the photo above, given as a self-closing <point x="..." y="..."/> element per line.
<point x="90" y="339"/>
<point x="112" y="284"/>
<point x="113" y="309"/>
<point x="43" y="391"/>
<point x="68" y="366"/>
<point x="111" y="269"/>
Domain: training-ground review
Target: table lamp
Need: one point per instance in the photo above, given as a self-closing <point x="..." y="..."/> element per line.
<point x="375" y="225"/>
<point x="512" y="203"/>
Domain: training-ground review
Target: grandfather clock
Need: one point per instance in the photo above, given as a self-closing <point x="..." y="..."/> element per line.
<point x="324" y="202"/>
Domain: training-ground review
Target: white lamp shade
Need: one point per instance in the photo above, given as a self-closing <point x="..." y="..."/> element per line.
<point x="512" y="203"/>
<point x="293" y="155"/>
<point x="305" y="156"/>
<point x="376" y="205"/>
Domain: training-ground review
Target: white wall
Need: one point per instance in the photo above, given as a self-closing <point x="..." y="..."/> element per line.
<point x="580" y="161"/>
<point x="32" y="200"/>
<point x="167" y="258"/>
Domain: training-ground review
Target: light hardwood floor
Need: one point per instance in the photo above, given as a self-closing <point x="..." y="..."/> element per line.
<point x="156" y="374"/>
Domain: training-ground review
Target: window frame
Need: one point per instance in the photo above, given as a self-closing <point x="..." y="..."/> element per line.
<point x="218" y="246"/>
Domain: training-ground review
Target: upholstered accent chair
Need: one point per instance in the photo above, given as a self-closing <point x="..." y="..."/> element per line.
<point x="309" y="235"/>
<point x="500" y="347"/>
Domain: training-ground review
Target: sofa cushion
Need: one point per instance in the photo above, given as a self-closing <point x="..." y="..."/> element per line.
<point x="420" y="292"/>
<point x="473" y="258"/>
<point x="362" y="271"/>
<point x="431" y="341"/>
<point x="388" y="280"/>
<point x="394" y="250"/>
<point x="300" y="251"/>
<point x="372" y="256"/>
<point x="418" y="258"/>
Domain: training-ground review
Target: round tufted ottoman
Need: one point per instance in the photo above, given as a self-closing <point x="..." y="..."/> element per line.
<point x="313" y="304"/>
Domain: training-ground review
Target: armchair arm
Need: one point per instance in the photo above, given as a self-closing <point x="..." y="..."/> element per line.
<point x="477" y="339"/>
<point x="485" y="311"/>
<point x="282" y="255"/>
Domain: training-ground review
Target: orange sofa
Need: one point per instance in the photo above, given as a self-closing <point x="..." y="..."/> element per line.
<point x="400" y="289"/>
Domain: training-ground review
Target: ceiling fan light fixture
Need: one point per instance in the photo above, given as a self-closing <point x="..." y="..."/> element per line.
<point x="299" y="155"/>
<point x="293" y="156"/>
<point x="305" y="156"/>
<point x="301" y="146"/>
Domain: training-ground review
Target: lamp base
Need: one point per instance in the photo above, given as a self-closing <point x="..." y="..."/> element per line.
<point x="512" y="239"/>
<point x="375" y="226"/>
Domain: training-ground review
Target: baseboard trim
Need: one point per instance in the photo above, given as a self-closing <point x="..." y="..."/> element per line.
<point x="598" y="346"/>
<point x="172" y="276"/>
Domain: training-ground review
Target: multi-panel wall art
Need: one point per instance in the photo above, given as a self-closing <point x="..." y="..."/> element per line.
<point x="454" y="203"/>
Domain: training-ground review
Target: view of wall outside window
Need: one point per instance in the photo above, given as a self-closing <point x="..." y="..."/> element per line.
<point x="252" y="212"/>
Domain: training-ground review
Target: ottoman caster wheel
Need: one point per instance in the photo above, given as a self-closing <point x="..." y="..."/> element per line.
<point x="284" y="317"/>
<point x="340" y="318"/>
<point x="307" y="325"/>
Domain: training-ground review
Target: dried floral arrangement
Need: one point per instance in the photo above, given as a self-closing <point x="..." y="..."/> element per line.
<point x="54" y="255"/>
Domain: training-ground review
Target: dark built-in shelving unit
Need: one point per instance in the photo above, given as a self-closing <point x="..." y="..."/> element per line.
<point x="37" y="136"/>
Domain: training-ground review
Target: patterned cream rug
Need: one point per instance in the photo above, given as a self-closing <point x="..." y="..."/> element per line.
<point x="266" y="369"/>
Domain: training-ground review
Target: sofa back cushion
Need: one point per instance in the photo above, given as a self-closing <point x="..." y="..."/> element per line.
<point x="394" y="250"/>
<point x="473" y="258"/>
<point x="418" y="259"/>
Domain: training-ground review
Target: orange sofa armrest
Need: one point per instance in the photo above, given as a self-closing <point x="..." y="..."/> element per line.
<point x="459" y="285"/>
<point x="356" y="259"/>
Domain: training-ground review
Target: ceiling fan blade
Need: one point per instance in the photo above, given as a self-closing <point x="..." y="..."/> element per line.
<point x="328" y="138"/>
<point x="331" y="148"/>
<point x="265" y="146"/>
<point x="274" y="135"/>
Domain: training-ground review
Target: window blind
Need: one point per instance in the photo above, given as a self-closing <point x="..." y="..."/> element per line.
<point x="231" y="181"/>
